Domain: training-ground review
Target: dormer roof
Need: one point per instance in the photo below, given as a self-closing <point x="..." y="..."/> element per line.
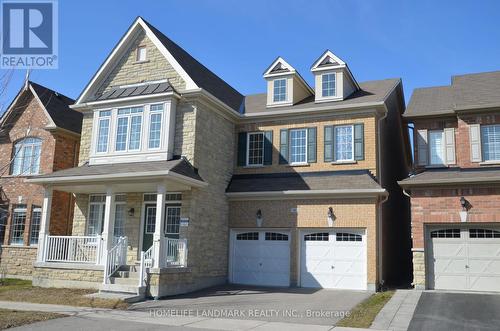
<point x="330" y="61"/>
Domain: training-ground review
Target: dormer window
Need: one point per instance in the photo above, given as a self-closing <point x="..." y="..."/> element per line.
<point x="141" y="55"/>
<point x="279" y="90"/>
<point x="328" y="85"/>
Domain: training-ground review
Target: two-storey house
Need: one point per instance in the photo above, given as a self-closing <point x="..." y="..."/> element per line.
<point x="454" y="190"/>
<point x="39" y="134"/>
<point x="184" y="183"/>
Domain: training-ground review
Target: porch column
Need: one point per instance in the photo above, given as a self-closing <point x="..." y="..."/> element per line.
<point x="44" y="224"/>
<point x="158" y="260"/>
<point x="109" y="222"/>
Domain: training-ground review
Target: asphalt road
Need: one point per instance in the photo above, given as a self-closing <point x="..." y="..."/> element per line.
<point x="456" y="311"/>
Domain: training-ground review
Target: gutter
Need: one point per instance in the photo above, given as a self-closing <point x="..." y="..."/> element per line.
<point x="451" y="181"/>
<point x="379" y="211"/>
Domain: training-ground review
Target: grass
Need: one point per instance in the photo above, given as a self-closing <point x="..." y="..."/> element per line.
<point x="364" y="313"/>
<point x="12" y="318"/>
<point x="22" y="290"/>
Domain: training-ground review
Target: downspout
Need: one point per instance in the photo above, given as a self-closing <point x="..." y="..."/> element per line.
<point x="379" y="218"/>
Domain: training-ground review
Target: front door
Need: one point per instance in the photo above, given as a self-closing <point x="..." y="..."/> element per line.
<point x="149" y="226"/>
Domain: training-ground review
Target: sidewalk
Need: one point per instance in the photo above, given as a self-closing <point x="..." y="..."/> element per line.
<point x="180" y="321"/>
<point x="398" y="312"/>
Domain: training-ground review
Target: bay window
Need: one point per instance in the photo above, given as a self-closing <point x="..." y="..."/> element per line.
<point x="128" y="131"/>
<point x="298" y="146"/>
<point x="490" y="141"/>
<point x="103" y="131"/>
<point x="155" y="119"/>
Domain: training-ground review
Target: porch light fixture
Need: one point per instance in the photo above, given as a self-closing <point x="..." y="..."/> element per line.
<point x="464" y="213"/>
<point x="131" y="212"/>
<point x="331" y="216"/>
<point x="259" y="218"/>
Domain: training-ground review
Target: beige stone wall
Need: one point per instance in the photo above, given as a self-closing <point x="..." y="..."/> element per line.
<point x="169" y="282"/>
<point x="419" y="269"/>
<point x="67" y="278"/>
<point x="129" y="71"/>
<point x="185" y="124"/>
<point x="17" y="261"/>
<point x="86" y="137"/>
<point x="311" y="213"/>
<point x="80" y="214"/>
<point x="370" y="161"/>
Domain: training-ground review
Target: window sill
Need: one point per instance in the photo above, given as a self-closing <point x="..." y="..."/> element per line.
<point x="344" y="162"/>
<point x="253" y="166"/>
<point x="436" y="166"/>
<point x="487" y="163"/>
<point x="302" y="164"/>
<point x="140" y="62"/>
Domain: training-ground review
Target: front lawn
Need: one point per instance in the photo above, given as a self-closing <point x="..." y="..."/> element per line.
<point x="12" y="318"/>
<point x="363" y="314"/>
<point x="22" y="290"/>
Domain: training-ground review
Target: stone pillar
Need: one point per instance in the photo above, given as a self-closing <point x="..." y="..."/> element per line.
<point x="44" y="224"/>
<point x="419" y="269"/>
<point x="158" y="259"/>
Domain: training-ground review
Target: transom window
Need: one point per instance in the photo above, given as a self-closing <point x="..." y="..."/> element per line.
<point x="436" y="147"/>
<point x="36" y="217"/>
<point x="298" y="146"/>
<point x="344" y="146"/>
<point x="321" y="236"/>
<point x="26" y="157"/>
<point x="155" y="119"/>
<point x="344" y="236"/>
<point x="248" y="236"/>
<point x="103" y="131"/>
<point x="128" y="131"/>
<point x="446" y="233"/>
<point x="173" y="216"/>
<point x="279" y="90"/>
<point x="18" y="224"/>
<point x="483" y="233"/>
<point x="328" y="85"/>
<point x="141" y="54"/>
<point x="255" y="148"/>
<point x="490" y="141"/>
<point x="276" y="236"/>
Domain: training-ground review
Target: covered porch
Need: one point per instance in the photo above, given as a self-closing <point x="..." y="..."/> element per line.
<point x="125" y="215"/>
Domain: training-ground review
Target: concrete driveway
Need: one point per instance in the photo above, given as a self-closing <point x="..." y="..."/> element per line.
<point x="298" y="305"/>
<point x="456" y="311"/>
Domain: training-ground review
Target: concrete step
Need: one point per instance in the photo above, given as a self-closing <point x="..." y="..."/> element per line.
<point x="127" y="274"/>
<point x="124" y="280"/>
<point x="122" y="288"/>
<point x="130" y="268"/>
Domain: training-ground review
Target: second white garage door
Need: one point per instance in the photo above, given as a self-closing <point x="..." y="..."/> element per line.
<point x="334" y="259"/>
<point x="464" y="258"/>
<point x="260" y="258"/>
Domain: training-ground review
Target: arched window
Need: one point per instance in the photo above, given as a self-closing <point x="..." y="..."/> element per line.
<point x="26" y="157"/>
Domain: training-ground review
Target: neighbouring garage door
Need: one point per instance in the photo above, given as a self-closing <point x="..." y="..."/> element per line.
<point x="260" y="258"/>
<point x="334" y="259"/>
<point x="464" y="258"/>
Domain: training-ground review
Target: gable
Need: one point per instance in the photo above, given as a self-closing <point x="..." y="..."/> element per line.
<point x="128" y="71"/>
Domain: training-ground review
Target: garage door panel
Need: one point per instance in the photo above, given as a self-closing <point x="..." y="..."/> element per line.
<point x="450" y="282"/>
<point x="481" y="266"/>
<point x="446" y="266"/>
<point x="485" y="283"/>
<point x="350" y="282"/>
<point x="450" y="249"/>
<point x="350" y="268"/>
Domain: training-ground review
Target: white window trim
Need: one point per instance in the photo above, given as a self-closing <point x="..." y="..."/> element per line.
<point x="334" y="87"/>
<point x="248" y="149"/>
<point x="98" y="125"/>
<point x="274" y="102"/>
<point x="162" y="125"/>
<point x="35" y="210"/>
<point x="483" y="160"/>
<point x="137" y="54"/>
<point x="103" y="203"/>
<point x="18" y="210"/>
<point x="168" y="205"/>
<point x="290" y="147"/>
<point x="125" y="218"/>
<point x="443" y="149"/>
<point x="21" y="155"/>
<point x="129" y="126"/>
<point x="351" y="160"/>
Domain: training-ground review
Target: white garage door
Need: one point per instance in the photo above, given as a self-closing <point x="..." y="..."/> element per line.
<point x="334" y="259"/>
<point x="464" y="258"/>
<point x="260" y="258"/>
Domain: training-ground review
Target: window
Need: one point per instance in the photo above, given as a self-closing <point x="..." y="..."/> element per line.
<point x="26" y="157"/>
<point x="436" y="147"/>
<point x="151" y="197"/>
<point x="36" y="217"/>
<point x="490" y="140"/>
<point x="18" y="223"/>
<point x="96" y="215"/>
<point x="120" y="215"/>
<point x="298" y="146"/>
<point x="322" y="236"/>
<point x="128" y="131"/>
<point x="276" y="236"/>
<point x="279" y="92"/>
<point x="483" y="233"/>
<point x="3" y="220"/>
<point x="103" y="131"/>
<point x="340" y="236"/>
<point x="255" y="155"/>
<point x="155" y="125"/>
<point x="173" y="216"/>
<point x="344" y="147"/>
<point x="328" y="85"/>
<point x="150" y="219"/>
<point x="446" y="233"/>
<point x="141" y="54"/>
<point x="248" y="236"/>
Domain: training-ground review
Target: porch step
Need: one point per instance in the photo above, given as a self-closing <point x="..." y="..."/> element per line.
<point x="127" y="274"/>
<point x="124" y="280"/>
<point x="122" y="288"/>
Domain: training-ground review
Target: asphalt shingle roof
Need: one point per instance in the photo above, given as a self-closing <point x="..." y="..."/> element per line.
<point x="325" y="180"/>
<point x="453" y="176"/>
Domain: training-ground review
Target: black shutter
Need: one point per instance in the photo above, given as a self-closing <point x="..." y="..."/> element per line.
<point x="311" y="145"/>
<point x="359" y="142"/>
<point x="283" y="146"/>
<point x="242" y="149"/>
<point x="268" y="148"/>
<point x="328" y="143"/>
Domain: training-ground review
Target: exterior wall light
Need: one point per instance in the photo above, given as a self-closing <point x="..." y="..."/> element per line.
<point x="464" y="213"/>
<point x="259" y="218"/>
<point x="131" y="212"/>
<point x="331" y="216"/>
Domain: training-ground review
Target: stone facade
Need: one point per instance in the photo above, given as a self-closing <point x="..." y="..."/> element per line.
<point x="59" y="151"/>
<point x="71" y="276"/>
<point x="419" y="276"/>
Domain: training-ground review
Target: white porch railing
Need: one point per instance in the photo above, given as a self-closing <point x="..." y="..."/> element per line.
<point x="72" y="249"/>
<point x="117" y="256"/>
<point x="175" y="252"/>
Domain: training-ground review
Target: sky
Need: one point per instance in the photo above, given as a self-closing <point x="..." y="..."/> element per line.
<point x="423" y="42"/>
